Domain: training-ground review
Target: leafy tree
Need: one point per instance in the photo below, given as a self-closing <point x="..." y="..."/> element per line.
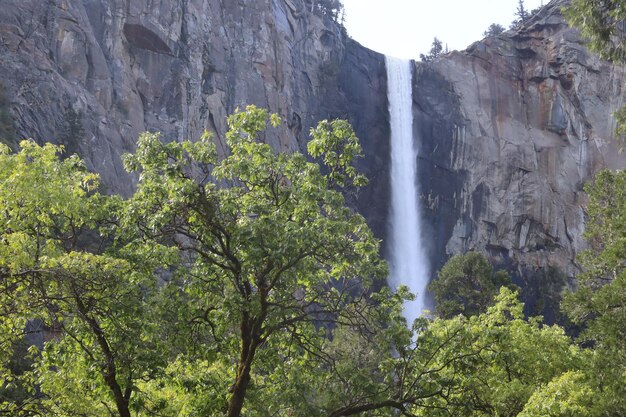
<point x="598" y="303"/>
<point x="466" y="285"/>
<point x="276" y="272"/>
<point x="568" y="395"/>
<point x="238" y="286"/>
<point x="58" y="267"/>
<point x="494" y="29"/>
<point x="435" y="51"/>
<point x="507" y="359"/>
<point x="601" y="23"/>
<point x="274" y="254"/>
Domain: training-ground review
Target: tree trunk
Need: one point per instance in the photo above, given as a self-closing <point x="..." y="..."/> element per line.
<point x="109" y="371"/>
<point x="239" y="393"/>
<point x="251" y="329"/>
<point x="120" y="402"/>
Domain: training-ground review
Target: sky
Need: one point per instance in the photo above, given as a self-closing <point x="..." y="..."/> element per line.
<point x="406" y="28"/>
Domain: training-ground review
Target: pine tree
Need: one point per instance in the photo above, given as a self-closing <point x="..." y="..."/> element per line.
<point x="494" y="29"/>
<point x="435" y="51"/>
<point x="521" y="15"/>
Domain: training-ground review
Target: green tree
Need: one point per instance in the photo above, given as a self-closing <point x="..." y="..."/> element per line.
<point x="521" y="14"/>
<point x="237" y="286"/>
<point x="507" y="359"/>
<point x="494" y="29"/>
<point x="598" y="304"/>
<point x="435" y="51"/>
<point x="59" y="268"/>
<point x="568" y="395"/>
<point x="276" y="271"/>
<point x="466" y="285"/>
<point x="273" y="254"/>
<point x="601" y="23"/>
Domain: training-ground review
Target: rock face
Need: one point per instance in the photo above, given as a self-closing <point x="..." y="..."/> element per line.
<point x="179" y="67"/>
<point x="509" y="130"/>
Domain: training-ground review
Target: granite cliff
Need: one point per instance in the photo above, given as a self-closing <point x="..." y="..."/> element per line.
<point x="509" y="129"/>
<point x="527" y="121"/>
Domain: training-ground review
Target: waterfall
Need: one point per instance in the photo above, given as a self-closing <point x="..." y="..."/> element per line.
<point x="406" y="251"/>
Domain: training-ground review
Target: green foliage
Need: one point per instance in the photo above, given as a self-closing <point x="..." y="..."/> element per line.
<point x="568" y="395"/>
<point x="503" y="359"/>
<point x="241" y="286"/>
<point x="271" y="254"/>
<point x="494" y="29"/>
<point x="466" y="285"/>
<point x="598" y="303"/>
<point x="601" y="22"/>
<point x="435" y="51"/>
<point x="57" y="266"/>
<point x="337" y="145"/>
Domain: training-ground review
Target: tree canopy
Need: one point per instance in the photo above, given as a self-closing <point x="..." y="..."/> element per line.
<point x="466" y="284"/>
<point x="243" y="286"/>
<point x="60" y="269"/>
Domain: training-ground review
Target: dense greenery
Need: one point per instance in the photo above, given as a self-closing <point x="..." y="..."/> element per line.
<point x="599" y="304"/>
<point x="467" y="284"/>
<point x="274" y="253"/>
<point x="242" y="286"/>
<point x="59" y="267"/>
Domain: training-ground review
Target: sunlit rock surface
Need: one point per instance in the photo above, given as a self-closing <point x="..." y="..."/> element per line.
<point x="513" y="129"/>
<point x="178" y="67"/>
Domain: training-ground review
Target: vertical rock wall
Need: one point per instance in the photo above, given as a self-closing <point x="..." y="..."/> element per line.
<point x="511" y="130"/>
<point x="179" y="67"/>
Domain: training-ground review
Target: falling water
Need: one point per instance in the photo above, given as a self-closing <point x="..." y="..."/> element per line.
<point x="407" y="256"/>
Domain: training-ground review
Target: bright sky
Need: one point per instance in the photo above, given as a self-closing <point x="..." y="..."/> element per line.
<point x="406" y="28"/>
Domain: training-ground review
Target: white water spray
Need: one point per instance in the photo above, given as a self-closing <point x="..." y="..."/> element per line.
<point x="407" y="255"/>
